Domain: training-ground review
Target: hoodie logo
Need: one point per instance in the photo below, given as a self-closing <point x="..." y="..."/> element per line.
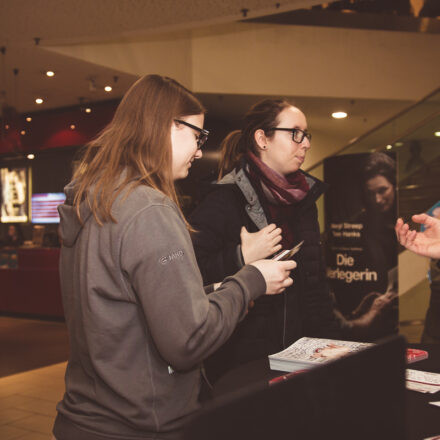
<point x="173" y="256"/>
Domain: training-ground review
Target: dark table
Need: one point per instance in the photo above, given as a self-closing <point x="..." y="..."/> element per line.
<point x="422" y="419"/>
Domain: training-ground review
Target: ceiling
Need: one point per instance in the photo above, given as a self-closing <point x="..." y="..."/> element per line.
<point x="27" y="27"/>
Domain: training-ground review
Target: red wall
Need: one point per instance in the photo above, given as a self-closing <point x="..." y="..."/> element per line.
<point x="51" y="129"/>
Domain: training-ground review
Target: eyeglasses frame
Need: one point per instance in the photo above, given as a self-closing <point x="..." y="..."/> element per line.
<point x="203" y="136"/>
<point x="304" y="133"/>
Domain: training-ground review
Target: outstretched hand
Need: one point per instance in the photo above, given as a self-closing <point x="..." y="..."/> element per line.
<point x="426" y="243"/>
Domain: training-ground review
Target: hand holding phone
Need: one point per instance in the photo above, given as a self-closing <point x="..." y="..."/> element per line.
<point x="287" y="254"/>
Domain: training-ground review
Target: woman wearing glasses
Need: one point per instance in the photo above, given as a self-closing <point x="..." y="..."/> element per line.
<point x="263" y="203"/>
<point x="139" y="319"/>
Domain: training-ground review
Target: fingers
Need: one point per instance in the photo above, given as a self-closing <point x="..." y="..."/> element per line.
<point x="288" y="265"/>
<point x="269" y="228"/>
<point x="398" y="226"/>
<point x="391" y="294"/>
<point x="421" y="219"/>
<point x="275" y="249"/>
<point x="287" y="282"/>
<point x="284" y="284"/>
<point x="276" y="239"/>
<point x="404" y="235"/>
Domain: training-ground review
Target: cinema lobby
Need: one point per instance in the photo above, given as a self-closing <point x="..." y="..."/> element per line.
<point x="155" y="297"/>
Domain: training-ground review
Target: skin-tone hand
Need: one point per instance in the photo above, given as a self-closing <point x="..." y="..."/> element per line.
<point x="383" y="301"/>
<point x="426" y="243"/>
<point x="276" y="274"/>
<point x="258" y="245"/>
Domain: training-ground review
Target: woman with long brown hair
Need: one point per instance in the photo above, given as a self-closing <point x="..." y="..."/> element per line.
<point x="139" y="319"/>
<point x="264" y="202"/>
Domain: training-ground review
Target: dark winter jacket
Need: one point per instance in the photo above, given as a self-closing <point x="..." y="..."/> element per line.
<point x="275" y="322"/>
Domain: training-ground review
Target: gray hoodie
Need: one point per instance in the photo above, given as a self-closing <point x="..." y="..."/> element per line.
<point x="139" y="320"/>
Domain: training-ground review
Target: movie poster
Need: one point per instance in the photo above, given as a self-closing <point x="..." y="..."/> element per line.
<point x="361" y="248"/>
<point x="14" y="195"/>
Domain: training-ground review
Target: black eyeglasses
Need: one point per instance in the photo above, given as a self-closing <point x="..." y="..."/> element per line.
<point x="298" y="135"/>
<point x="203" y="134"/>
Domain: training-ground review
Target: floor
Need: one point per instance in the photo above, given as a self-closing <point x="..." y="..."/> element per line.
<point x="26" y="344"/>
<point x="27" y="403"/>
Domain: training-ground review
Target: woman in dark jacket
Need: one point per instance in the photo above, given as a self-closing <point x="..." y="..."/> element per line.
<point x="264" y="203"/>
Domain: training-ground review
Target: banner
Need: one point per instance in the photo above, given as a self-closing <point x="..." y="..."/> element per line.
<point x="14" y="192"/>
<point x="361" y="248"/>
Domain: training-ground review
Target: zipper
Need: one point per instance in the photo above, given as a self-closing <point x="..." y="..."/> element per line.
<point x="285" y="319"/>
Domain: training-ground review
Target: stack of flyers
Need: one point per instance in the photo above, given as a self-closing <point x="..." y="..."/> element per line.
<point x="422" y="381"/>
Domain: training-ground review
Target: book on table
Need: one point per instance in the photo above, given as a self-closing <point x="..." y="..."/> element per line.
<point x="307" y="353"/>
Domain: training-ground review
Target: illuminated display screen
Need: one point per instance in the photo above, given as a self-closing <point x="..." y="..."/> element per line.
<point x="14" y="207"/>
<point x="44" y="207"/>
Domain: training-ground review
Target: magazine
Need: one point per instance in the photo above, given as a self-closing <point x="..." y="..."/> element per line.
<point x="307" y="353"/>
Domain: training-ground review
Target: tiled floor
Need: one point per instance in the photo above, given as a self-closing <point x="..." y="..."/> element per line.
<point x="27" y="403"/>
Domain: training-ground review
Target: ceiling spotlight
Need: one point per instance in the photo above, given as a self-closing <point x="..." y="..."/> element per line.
<point x="22" y="132"/>
<point x="31" y="156"/>
<point x="437" y="133"/>
<point x="339" y="115"/>
<point x="88" y="110"/>
<point x="50" y="73"/>
<point x="389" y="147"/>
<point x="72" y="126"/>
<point x="108" y="88"/>
<point x="28" y="119"/>
<point x="39" y="101"/>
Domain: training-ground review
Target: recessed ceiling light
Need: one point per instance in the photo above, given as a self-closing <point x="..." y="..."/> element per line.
<point x="437" y="133"/>
<point x="88" y="110"/>
<point x="72" y="126"/>
<point x="39" y="101"/>
<point x="28" y="119"/>
<point x="389" y="147"/>
<point x="339" y="115"/>
<point x="108" y="88"/>
<point x="50" y="73"/>
<point x="22" y="132"/>
<point x="31" y="156"/>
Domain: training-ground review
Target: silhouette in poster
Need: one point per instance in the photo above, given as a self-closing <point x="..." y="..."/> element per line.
<point x="361" y="247"/>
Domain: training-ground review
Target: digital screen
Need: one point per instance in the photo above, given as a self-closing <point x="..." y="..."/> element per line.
<point x="44" y="207"/>
<point x="14" y="207"/>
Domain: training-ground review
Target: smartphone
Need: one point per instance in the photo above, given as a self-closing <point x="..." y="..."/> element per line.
<point x="288" y="253"/>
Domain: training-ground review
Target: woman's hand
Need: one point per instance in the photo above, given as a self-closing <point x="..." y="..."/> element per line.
<point x="258" y="245"/>
<point x="426" y="243"/>
<point x="276" y="274"/>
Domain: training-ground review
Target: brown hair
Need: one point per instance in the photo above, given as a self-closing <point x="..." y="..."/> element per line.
<point x="137" y="140"/>
<point x="262" y="115"/>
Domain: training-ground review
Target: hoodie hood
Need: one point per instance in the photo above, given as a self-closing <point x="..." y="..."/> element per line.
<point x="70" y="226"/>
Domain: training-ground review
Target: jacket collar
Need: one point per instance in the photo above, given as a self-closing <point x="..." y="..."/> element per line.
<point x="254" y="208"/>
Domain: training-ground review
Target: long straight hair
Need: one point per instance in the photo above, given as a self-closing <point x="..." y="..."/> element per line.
<point x="264" y="116"/>
<point x="137" y="140"/>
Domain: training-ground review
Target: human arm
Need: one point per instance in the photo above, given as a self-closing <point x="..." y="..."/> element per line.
<point x="426" y="243"/>
<point x="186" y="324"/>
<point x="367" y="316"/>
